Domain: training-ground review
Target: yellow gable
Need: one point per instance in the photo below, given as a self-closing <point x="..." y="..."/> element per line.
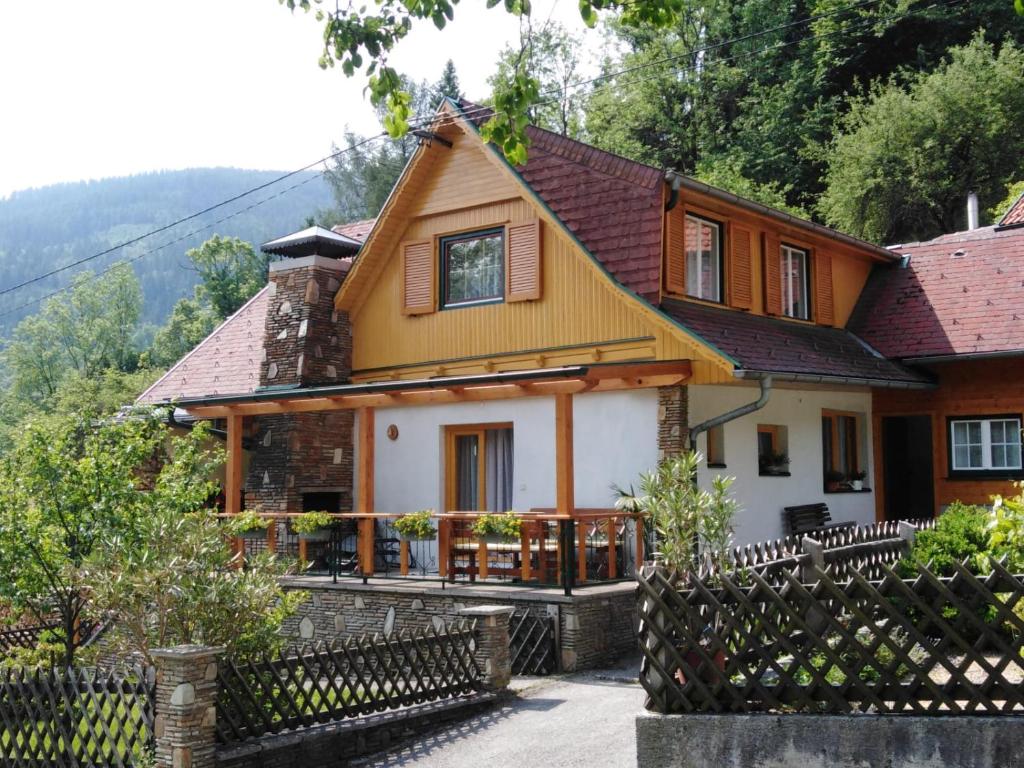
<point x="577" y="315"/>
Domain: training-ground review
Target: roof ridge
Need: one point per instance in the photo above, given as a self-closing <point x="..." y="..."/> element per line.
<point x="203" y="343"/>
<point x="613" y="164"/>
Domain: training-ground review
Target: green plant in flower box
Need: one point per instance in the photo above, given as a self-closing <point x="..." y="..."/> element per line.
<point x="416" y="526"/>
<point x="248" y="525"/>
<point x="312" y="526"/>
<point x="505" y="526"/>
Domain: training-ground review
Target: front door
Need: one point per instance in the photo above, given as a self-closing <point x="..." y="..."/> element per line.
<point x="907" y="467"/>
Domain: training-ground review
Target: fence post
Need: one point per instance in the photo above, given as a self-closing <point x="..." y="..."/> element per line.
<point x="816" y="550"/>
<point x="185" y="729"/>
<point x="493" y="643"/>
<point x="907" y="531"/>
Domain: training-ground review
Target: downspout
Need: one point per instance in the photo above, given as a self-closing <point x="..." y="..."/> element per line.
<point x="743" y="410"/>
<point x="673" y="197"/>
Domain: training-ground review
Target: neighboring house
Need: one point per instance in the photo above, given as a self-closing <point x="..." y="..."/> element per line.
<point x="953" y="307"/>
<point x="523" y="338"/>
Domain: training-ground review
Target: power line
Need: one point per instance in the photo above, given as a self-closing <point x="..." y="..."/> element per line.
<point x="476" y="111"/>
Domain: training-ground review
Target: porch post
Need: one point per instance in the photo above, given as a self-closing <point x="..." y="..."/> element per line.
<point x="565" y="485"/>
<point x="366" y="480"/>
<point x="233" y="475"/>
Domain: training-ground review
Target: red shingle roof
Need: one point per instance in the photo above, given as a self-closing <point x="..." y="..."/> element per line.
<point x="1014" y="216"/>
<point x="759" y="343"/>
<point x="960" y="294"/>
<point x="357" y="230"/>
<point x="227" y="362"/>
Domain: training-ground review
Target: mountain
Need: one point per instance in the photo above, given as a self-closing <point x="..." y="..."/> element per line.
<point x="42" y="229"/>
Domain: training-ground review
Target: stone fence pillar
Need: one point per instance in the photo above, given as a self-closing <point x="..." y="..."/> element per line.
<point x="186" y="706"/>
<point x="493" y="652"/>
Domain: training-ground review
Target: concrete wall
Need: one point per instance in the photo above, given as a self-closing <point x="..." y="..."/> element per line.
<point x="615" y="439"/>
<point x="800" y="412"/>
<point x="828" y="741"/>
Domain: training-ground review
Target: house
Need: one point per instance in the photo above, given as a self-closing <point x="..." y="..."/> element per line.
<point x="952" y="307"/>
<point x="524" y="337"/>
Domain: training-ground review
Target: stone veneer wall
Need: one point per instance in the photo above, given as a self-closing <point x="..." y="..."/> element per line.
<point x="594" y="628"/>
<point x="673" y="420"/>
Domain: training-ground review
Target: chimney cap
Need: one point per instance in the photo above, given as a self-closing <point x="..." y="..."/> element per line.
<point x="312" y="241"/>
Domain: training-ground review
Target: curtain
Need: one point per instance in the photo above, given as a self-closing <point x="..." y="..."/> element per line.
<point x="468" y="483"/>
<point x="498" y="461"/>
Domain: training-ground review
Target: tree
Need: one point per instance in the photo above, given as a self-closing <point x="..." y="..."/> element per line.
<point x="360" y="40"/>
<point x="65" y="484"/>
<point x="907" y="157"/>
<point x="191" y="321"/>
<point x="551" y="57"/>
<point x="85" y="330"/>
<point x="231" y="270"/>
<point x="1013" y="194"/>
<point x="448" y="86"/>
<point x="179" y="583"/>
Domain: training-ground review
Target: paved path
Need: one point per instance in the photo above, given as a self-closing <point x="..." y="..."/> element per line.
<point x="584" y="719"/>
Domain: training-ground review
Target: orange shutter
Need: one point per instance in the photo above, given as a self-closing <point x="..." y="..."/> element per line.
<point x="418" y="277"/>
<point x="821" y="272"/>
<point x="771" y="252"/>
<point x="739" y="269"/>
<point x="675" y="251"/>
<point x="522" y="265"/>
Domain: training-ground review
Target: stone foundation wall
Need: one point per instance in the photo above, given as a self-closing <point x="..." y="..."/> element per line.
<point x="594" y="629"/>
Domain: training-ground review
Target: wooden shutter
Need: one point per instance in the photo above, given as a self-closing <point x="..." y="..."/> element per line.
<point x="418" y="296"/>
<point x="823" y="301"/>
<point x="675" y="251"/>
<point x="523" y="261"/>
<point x="739" y="269"/>
<point x="770" y="253"/>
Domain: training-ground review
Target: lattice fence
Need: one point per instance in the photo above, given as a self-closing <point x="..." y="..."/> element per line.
<point x="23" y="637"/>
<point x="343" y="679"/>
<point x="75" y="717"/>
<point x="532" y="643"/>
<point x="924" y="645"/>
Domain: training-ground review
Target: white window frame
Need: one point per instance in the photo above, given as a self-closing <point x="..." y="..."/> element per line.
<point x="986" y="444"/>
<point x="787" y="254"/>
<point x="692" y="269"/>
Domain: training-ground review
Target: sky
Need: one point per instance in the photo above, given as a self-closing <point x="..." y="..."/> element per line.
<point x="113" y="87"/>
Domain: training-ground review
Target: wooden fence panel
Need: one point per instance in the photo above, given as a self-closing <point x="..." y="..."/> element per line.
<point x="325" y="682"/>
<point x="922" y="645"/>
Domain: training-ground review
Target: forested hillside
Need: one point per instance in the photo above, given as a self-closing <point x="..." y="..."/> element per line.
<point x="41" y="229"/>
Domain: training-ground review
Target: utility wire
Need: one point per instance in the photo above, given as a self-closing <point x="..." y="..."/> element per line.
<point x="477" y="111"/>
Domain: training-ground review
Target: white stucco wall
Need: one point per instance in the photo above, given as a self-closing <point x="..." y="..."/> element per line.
<point x="800" y="412"/>
<point x="615" y="439"/>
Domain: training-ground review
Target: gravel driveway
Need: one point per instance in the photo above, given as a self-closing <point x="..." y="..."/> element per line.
<point x="583" y="719"/>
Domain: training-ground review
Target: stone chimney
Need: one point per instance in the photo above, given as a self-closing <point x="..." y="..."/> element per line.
<point x="303" y="461"/>
<point x="306" y="341"/>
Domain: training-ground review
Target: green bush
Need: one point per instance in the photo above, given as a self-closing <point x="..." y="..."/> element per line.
<point x="961" y="532"/>
<point x="1006" y="530"/>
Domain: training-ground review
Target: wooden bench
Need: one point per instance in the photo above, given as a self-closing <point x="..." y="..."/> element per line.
<point x="811" y="518"/>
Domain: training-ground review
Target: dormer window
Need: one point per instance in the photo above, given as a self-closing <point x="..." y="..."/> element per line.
<point x="473" y="268"/>
<point x="795" y="283"/>
<point x="703" y="259"/>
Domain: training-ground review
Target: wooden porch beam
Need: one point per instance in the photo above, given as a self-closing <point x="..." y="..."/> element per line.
<point x="233" y="470"/>
<point x="610" y="378"/>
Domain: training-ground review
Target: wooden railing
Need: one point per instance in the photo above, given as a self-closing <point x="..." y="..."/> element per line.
<point x="591" y="545"/>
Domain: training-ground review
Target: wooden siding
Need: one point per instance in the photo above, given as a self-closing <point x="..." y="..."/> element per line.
<point x="850" y="265"/>
<point x="968" y="388"/>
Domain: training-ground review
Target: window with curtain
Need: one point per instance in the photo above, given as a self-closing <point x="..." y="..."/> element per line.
<point x="795" y="283"/>
<point x="841" y="447"/>
<point x="703" y="259"/>
<point x="473" y="266"/>
<point x="980" y="444"/>
<point x="480" y="468"/>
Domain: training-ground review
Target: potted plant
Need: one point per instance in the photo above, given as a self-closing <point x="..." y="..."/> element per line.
<point x="834" y="479"/>
<point x="248" y="525"/>
<point x="416" y="526"/>
<point x="774" y="463"/>
<point x="857" y="479"/>
<point x="312" y="526"/>
<point x="498" y="528"/>
<point x="694" y="528"/>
